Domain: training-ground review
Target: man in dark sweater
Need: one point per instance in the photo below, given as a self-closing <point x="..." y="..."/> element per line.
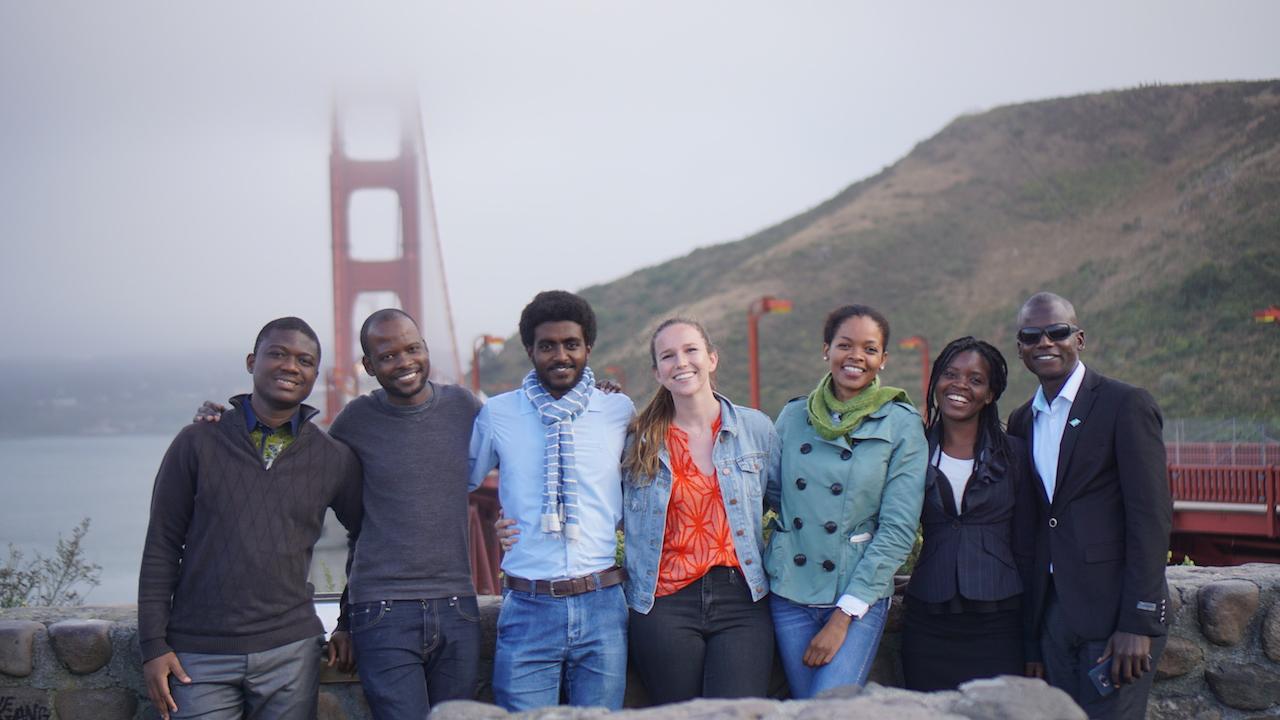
<point x="410" y="597"/>
<point x="223" y="599"/>
<point x="413" y="613"/>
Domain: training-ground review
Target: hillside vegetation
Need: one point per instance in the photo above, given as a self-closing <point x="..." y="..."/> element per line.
<point x="1156" y="210"/>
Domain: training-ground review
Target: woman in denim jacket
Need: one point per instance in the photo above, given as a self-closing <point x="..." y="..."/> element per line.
<point x="696" y="474"/>
<point x="853" y="470"/>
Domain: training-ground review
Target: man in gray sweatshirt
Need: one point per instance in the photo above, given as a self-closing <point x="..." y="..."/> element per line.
<point x="412" y="608"/>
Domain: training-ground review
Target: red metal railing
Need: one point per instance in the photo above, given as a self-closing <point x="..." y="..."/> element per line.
<point x="1225" y="499"/>
<point x="1223" y="453"/>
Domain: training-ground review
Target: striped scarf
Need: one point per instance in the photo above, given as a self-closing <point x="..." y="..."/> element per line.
<point x="560" y="493"/>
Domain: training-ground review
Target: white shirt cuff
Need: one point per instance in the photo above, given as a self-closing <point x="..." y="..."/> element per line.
<point x="852" y="606"/>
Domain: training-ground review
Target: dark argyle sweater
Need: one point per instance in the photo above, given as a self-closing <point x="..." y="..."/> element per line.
<point x="228" y="548"/>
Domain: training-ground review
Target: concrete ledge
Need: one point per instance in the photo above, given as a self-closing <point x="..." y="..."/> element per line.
<point x="62" y="663"/>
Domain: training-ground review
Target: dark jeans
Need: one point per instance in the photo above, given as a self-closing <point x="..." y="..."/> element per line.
<point x="414" y="654"/>
<point x="1069" y="657"/>
<point x="706" y="640"/>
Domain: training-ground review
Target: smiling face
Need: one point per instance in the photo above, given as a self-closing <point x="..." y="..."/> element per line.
<point x="398" y="358"/>
<point x="284" y="368"/>
<point x="682" y="363"/>
<point x="964" y="387"/>
<point x="1050" y="361"/>
<point x="559" y="355"/>
<point x="856" y="354"/>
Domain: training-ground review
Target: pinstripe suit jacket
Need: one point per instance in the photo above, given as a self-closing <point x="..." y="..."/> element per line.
<point x="986" y="552"/>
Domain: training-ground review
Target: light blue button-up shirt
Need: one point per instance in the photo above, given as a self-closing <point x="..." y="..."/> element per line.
<point x="509" y="435"/>
<point x="1050" y="421"/>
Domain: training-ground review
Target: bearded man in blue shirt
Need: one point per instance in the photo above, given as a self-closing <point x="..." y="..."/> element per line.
<point x="557" y="442"/>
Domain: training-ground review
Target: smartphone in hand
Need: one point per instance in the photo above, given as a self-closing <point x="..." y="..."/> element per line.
<point x="1100" y="675"/>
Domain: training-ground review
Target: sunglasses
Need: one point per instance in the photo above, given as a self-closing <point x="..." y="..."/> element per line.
<point x="1057" y="332"/>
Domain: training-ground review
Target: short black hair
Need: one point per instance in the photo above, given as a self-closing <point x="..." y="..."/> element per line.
<point x="557" y="306"/>
<point x="1047" y="299"/>
<point x="844" y="312"/>
<point x="377" y="317"/>
<point x="287" y="323"/>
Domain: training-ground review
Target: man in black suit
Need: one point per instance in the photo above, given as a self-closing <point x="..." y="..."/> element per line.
<point x="1104" y="516"/>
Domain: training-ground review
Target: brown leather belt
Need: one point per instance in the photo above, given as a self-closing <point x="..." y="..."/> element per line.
<point x="566" y="588"/>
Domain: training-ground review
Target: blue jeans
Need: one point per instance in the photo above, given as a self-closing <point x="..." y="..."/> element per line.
<point x="795" y="626"/>
<point x="543" y="640"/>
<point x="415" y="654"/>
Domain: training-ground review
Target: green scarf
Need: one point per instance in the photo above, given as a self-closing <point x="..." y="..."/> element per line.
<point x="823" y="403"/>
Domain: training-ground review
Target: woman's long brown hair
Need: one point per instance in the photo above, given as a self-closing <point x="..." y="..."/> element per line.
<point x="648" y="430"/>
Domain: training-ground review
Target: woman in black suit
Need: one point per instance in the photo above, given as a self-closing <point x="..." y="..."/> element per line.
<point x="963" y="618"/>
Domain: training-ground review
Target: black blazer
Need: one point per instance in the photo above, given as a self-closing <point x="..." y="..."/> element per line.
<point x="987" y="551"/>
<point x="1106" y="532"/>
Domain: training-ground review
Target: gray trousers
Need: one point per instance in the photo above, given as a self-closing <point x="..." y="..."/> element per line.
<point x="282" y="683"/>
<point x="1068" y="658"/>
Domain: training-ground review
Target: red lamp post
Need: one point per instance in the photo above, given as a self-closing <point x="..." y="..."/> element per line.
<point x="763" y="306"/>
<point x="917" y="342"/>
<point x="1269" y="315"/>
<point x="493" y="342"/>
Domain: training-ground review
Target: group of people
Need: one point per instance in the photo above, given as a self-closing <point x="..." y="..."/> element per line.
<point x="1043" y="545"/>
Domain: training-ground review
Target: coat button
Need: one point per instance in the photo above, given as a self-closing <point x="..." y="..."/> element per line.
<point x="733" y="501"/>
<point x="829" y="526"/>
<point x="800" y="483"/>
<point x="747" y="561"/>
<point x="828" y="565"/>
<point x="836" y="489"/>
<point x="797" y="523"/>
<point x="800" y="559"/>
<point x="1053" y="522"/>
<point x="955" y="524"/>
<point x="805" y="448"/>
<point x="741" y="533"/>
<point x="845" y="454"/>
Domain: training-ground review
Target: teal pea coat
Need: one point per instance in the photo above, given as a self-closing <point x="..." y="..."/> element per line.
<point x="850" y="506"/>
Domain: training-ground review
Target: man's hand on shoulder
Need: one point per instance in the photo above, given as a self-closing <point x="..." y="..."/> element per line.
<point x="210" y="411"/>
<point x="1131" y="656"/>
<point x="608" y="387"/>
<point x="155" y="675"/>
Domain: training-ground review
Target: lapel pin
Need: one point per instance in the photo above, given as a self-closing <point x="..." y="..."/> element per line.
<point x="1075" y="422"/>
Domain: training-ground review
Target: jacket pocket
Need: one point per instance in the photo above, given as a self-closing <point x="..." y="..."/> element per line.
<point x="999" y="550"/>
<point x="1104" y="552"/>
<point x="751" y="466"/>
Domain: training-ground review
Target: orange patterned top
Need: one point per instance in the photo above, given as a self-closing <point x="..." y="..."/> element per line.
<point x="697" y="537"/>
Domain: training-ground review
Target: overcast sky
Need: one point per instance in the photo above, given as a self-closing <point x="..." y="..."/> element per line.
<point x="164" y="166"/>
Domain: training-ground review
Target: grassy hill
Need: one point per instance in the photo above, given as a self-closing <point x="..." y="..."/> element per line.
<point x="1156" y="210"/>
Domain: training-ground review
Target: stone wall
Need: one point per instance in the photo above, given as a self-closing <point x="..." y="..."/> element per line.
<point x="1222" y="661"/>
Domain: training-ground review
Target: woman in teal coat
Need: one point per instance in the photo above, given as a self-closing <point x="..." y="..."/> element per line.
<point x="853" y="470"/>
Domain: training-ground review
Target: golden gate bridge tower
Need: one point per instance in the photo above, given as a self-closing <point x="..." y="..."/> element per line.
<point x="415" y="274"/>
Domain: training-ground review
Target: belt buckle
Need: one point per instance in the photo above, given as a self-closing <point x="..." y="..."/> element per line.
<point x="552" y="585"/>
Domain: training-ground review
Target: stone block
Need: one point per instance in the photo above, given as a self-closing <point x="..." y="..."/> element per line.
<point x="17" y="643"/>
<point x="96" y="704"/>
<point x="84" y="646"/>
<point x="1175" y="604"/>
<point x="1226" y="607"/>
<point x="1244" y="686"/>
<point x="1180" y="657"/>
<point x="1182" y="707"/>
<point x="893" y="621"/>
<point x="467" y="710"/>
<point x="1009" y="698"/>
<point x="329" y="707"/>
<point x="25" y="702"/>
<point x="1271" y="633"/>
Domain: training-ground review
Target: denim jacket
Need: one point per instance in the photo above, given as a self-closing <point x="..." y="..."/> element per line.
<point x="747" y="457"/>
<point x="850" y="506"/>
